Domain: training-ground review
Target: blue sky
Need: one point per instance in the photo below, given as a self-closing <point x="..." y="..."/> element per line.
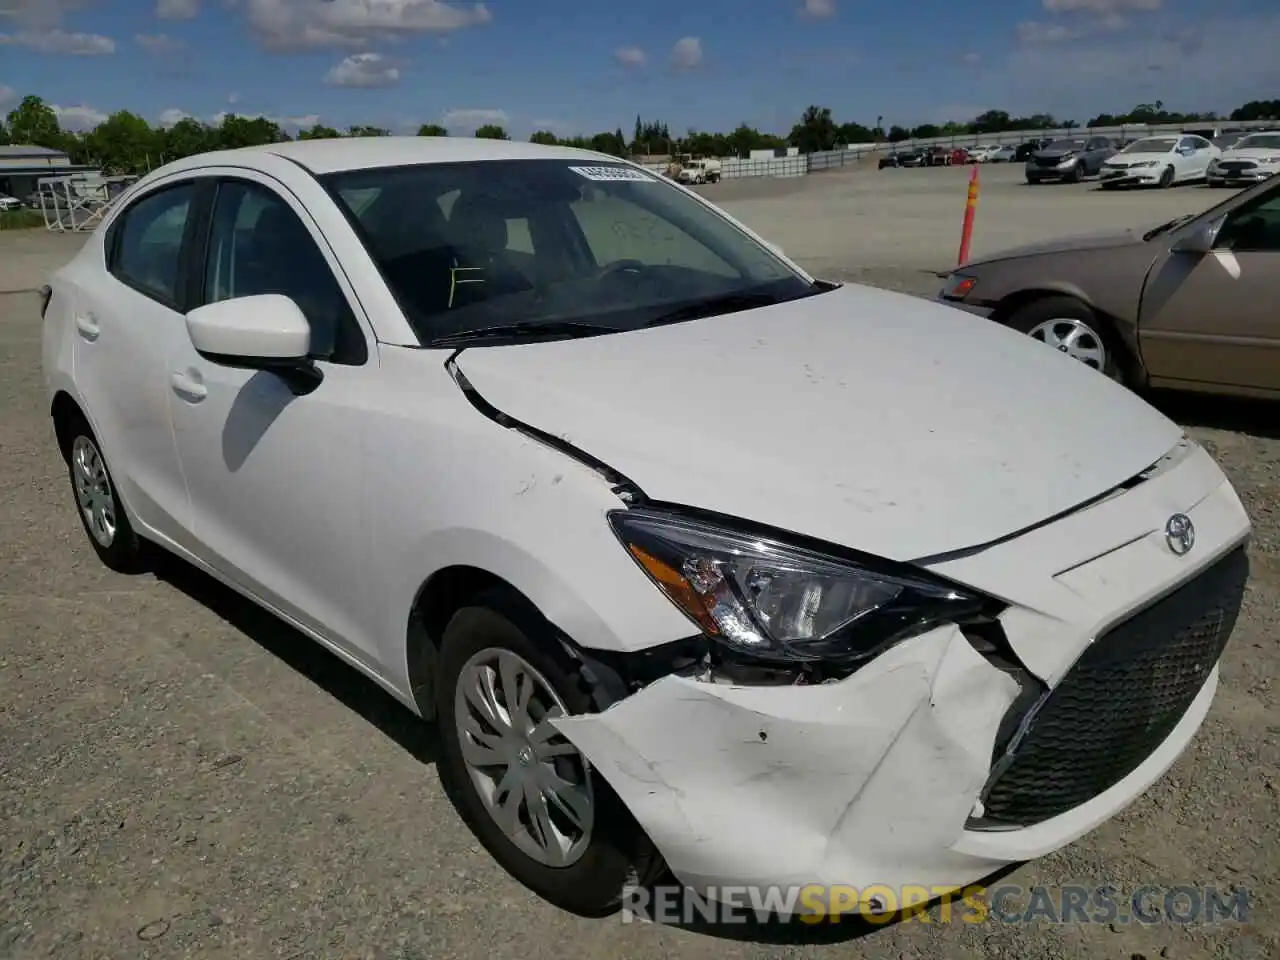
<point x="582" y="67"/>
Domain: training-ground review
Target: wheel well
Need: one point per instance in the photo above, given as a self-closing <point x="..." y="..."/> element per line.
<point x="64" y="410"/>
<point x="1111" y="326"/>
<point x="443" y="594"/>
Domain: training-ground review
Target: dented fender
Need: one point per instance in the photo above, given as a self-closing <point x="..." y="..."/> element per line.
<point x="842" y="782"/>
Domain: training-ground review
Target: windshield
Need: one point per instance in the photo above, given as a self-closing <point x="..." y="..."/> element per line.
<point x="1265" y="141"/>
<point x="466" y="247"/>
<point x="1152" y="145"/>
<point x="1062" y="146"/>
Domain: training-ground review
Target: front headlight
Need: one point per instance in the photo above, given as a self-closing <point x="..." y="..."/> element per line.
<point x="1269" y="161"/>
<point x="1145" y="163"/>
<point x="781" y="602"/>
<point x="957" y="287"/>
<point x="1069" y="158"/>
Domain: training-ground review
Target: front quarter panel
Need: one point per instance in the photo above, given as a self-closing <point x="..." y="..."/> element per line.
<point x="453" y="488"/>
<point x="1108" y="279"/>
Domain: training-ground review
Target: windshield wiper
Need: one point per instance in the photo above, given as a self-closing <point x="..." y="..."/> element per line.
<point x="727" y="303"/>
<point x="502" y="331"/>
<point x="1166" y="227"/>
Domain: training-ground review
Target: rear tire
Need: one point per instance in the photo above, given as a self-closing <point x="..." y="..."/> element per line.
<point x="98" y="503"/>
<point x="1074" y="328"/>
<point x="612" y="852"/>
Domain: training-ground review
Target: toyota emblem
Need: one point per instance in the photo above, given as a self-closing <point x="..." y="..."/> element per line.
<point x="1180" y="534"/>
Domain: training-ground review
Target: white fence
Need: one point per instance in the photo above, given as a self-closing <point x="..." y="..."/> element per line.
<point x="798" y="165"/>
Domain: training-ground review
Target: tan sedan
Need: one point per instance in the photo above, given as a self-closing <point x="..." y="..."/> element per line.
<point x="1193" y="304"/>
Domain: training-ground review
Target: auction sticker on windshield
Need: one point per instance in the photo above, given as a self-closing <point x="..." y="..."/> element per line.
<point x="604" y="174"/>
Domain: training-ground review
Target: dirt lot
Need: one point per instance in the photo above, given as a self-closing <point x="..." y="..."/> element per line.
<point x="183" y="777"/>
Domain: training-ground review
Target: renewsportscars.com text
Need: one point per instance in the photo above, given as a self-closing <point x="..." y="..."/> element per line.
<point x="1007" y="903"/>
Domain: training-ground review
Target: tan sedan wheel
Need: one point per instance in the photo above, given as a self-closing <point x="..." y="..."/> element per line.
<point x="1071" y="326"/>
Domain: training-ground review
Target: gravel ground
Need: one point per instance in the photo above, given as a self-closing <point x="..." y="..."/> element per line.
<point x="182" y="776"/>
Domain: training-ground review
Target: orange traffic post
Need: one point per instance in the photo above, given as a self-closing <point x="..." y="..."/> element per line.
<point x="970" y="208"/>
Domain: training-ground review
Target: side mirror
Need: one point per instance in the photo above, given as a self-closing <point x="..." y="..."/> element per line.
<point x="1200" y="240"/>
<point x="263" y="332"/>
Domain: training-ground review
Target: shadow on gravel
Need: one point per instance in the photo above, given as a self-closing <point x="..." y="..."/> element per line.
<point x="346" y="684"/>
<point x="690" y="913"/>
<point x="1257" y="418"/>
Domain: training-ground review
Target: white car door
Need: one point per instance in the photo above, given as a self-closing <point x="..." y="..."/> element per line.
<point x="276" y="475"/>
<point x="127" y="319"/>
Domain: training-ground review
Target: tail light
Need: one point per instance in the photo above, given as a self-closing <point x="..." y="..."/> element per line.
<point x="46" y="294"/>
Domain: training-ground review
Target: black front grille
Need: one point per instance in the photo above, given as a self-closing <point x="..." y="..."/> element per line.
<point x="1048" y="161"/>
<point x="1236" y="166"/>
<point x="1118" y="702"/>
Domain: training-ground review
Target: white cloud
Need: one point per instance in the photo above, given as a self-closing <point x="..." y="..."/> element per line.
<point x="630" y="56"/>
<point x="687" y="53"/>
<point x="1037" y="32"/>
<point x="7" y="94"/>
<point x="818" y="9"/>
<point x="78" y="118"/>
<point x="233" y="97"/>
<point x="1234" y="60"/>
<point x="1103" y="7"/>
<point x="364" y="70"/>
<point x="177" y="9"/>
<point x="59" y="41"/>
<point x="303" y="24"/>
<point x="173" y="115"/>
<point x="469" y="121"/>
<point x="158" y="43"/>
<point x="972" y="59"/>
<point x="40" y="13"/>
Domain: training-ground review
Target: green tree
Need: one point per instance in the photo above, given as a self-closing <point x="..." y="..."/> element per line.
<point x="236" y="131"/>
<point x="432" y="130"/>
<point x="4" y="134"/>
<point x="491" y="131"/>
<point x="545" y="137"/>
<point x="815" y="131"/>
<point x="186" y="138"/>
<point x="319" y="131"/>
<point x="124" y="143"/>
<point x="365" y="131"/>
<point x="33" y="122"/>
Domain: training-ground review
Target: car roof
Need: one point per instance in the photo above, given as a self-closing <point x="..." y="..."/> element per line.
<point x="367" y="153"/>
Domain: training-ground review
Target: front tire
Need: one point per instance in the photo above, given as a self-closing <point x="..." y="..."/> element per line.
<point x="526" y="793"/>
<point x="1072" y="327"/>
<point x="98" y="503"/>
<point x="1166" y="178"/>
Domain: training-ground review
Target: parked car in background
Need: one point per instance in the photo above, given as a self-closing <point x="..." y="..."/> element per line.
<point x="706" y="170"/>
<point x="938" y="157"/>
<point x="1069" y="159"/>
<point x="961" y="155"/>
<point x="979" y="632"/>
<point x="9" y="203"/>
<point x="1250" y="159"/>
<point x="1003" y="154"/>
<point x="981" y="152"/>
<point x="903" y="158"/>
<point x="1025" y="151"/>
<point x="1189" y="304"/>
<point x="1159" y="162"/>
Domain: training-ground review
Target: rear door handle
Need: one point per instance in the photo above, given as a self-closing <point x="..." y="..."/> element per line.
<point x="188" y="386"/>
<point x="88" y="326"/>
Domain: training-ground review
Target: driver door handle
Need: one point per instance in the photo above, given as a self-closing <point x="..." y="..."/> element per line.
<point x="87" y="324"/>
<point x="187" y="385"/>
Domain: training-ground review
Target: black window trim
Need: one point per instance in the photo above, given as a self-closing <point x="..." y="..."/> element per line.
<point x="114" y="231"/>
<point x="199" y="256"/>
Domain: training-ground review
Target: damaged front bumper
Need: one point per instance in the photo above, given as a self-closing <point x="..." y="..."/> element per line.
<point x="880" y="778"/>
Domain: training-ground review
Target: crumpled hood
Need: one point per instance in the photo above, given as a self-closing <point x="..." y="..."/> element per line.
<point x="1086" y="241"/>
<point x="883" y="422"/>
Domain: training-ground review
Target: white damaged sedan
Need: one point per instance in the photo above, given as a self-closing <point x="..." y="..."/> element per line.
<point x="696" y="561"/>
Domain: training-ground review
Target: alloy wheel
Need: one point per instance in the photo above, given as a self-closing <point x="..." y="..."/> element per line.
<point x="531" y="780"/>
<point x="1074" y="338"/>
<point x="93" y="490"/>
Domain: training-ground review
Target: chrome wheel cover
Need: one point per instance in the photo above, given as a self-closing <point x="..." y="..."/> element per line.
<point x="532" y="781"/>
<point x="1075" y="338"/>
<point x="93" y="491"/>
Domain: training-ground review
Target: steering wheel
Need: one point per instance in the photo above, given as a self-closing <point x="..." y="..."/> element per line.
<point x="635" y="267"/>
